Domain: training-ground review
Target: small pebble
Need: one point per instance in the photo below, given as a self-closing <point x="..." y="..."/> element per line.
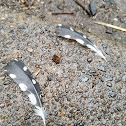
<point x="19" y="56"/>
<point x="85" y="89"/>
<point x="51" y="35"/>
<point x="42" y="32"/>
<point x="11" y="25"/>
<point x="104" y="121"/>
<point x="30" y="49"/>
<point x="2" y="31"/>
<point x="109" y="84"/>
<point x="92" y="70"/>
<point x="89" y="100"/>
<point x="60" y="7"/>
<point x="84" y="96"/>
<point x="123" y="91"/>
<point x="51" y="28"/>
<point x="104" y="45"/>
<point x="101" y="68"/>
<point x="56" y="59"/>
<point x="11" y="31"/>
<point x="57" y="84"/>
<point x="70" y="54"/>
<point x="55" y="113"/>
<point x="21" y="27"/>
<point x="108" y="79"/>
<point x="7" y="82"/>
<point x="65" y="75"/>
<point x="124" y="78"/>
<point x="2" y="76"/>
<point x="114" y="59"/>
<point x="83" y="71"/>
<point x="108" y="51"/>
<point x="89" y="59"/>
<point x="92" y="119"/>
<point x="62" y="113"/>
<point x="56" y="98"/>
<point x="84" y="79"/>
<point x="119" y="123"/>
<point x="55" y="42"/>
<point x="70" y="115"/>
<point x="51" y="44"/>
<point x="112" y="94"/>
<point x="2" y="106"/>
<point x="49" y="78"/>
<point x="27" y="117"/>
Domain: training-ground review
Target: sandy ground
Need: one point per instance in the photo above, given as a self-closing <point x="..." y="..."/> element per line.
<point x="82" y="89"/>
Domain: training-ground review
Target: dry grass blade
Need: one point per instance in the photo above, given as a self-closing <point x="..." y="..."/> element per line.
<point x="111" y="26"/>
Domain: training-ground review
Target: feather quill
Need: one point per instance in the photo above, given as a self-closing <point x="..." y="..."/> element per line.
<point x="22" y="76"/>
<point x="67" y="32"/>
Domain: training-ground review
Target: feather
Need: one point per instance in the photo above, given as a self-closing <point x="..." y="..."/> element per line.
<point x="67" y="32"/>
<point x="22" y="76"/>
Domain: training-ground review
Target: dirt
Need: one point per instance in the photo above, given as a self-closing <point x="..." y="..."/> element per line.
<point x="81" y="89"/>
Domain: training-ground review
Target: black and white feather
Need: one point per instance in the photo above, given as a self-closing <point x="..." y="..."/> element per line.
<point x="67" y="32"/>
<point x="22" y="76"/>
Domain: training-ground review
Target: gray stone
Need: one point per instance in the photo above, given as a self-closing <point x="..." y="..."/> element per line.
<point x="57" y="84"/>
<point x="89" y="59"/>
<point x="108" y="79"/>
<point x="101" y="68"/>
<point x="123" y="91"/>
<point x="112" y="94"/>
<point x="60" y="7"/>
<point x="84" y="79"/>
<point x="49" y="78"/>
<point x="104" y="121"/>
<point x="51" y="28"/>
<point x="83" y="71"/>
<point x="55" y="42"/>
<point x="2" y="31"/>
<point x="30" y="49"/>
<point x="108" y="51"/>
<point x="104" y="45"/>
<point x="93" y="8"/>
<point x="124" y="78"/>
<point x="109" y="84"/>
<point x="92" y="70"/>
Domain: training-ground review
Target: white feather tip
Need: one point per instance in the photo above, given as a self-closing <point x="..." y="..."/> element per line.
<point x="40" y="112"/>
<point x="97" y="51"/>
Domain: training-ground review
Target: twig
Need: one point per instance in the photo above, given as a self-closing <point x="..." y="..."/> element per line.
<point x="111" y="26"/>
<point x="58" y="13"/>
<point x="80" y="3"/>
